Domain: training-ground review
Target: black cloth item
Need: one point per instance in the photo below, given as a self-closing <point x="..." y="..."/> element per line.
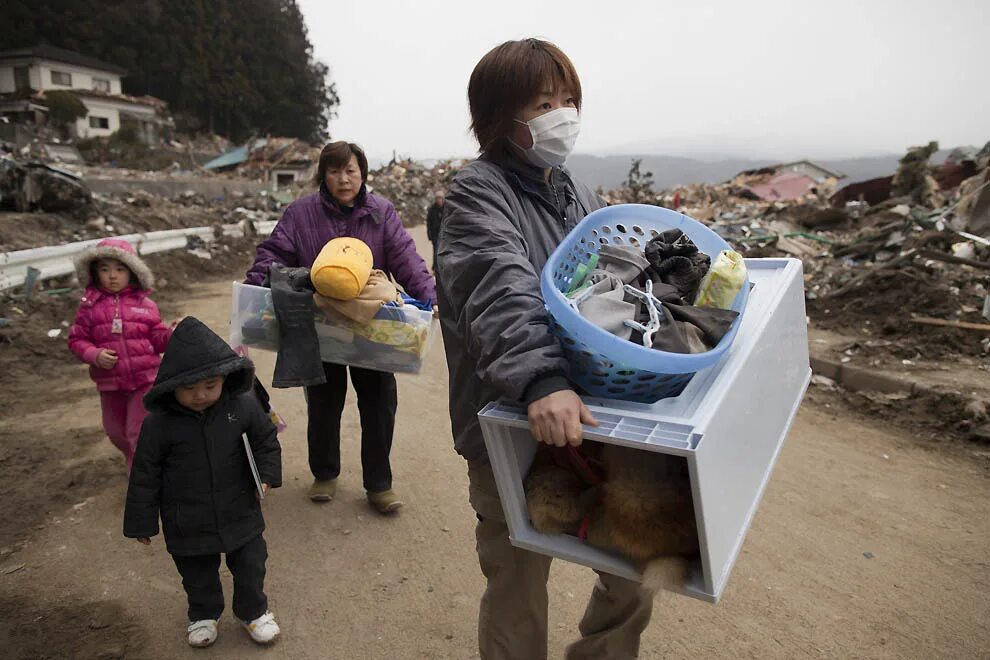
<point x="712" y="321"/>
<point x="191" y="468"/>
<point x="678" y="337"/>
<point x="377" y="403"/>
<point x="685" y="273"/>
<point x="433" y="216"/>
<point x="201" y="580"/>
<point x="298" y="363"/>
<point x="685" y="328"/>
<point x="264" y="399"/>
<point x="670" y="243"/>
<point x="675" y="259"/>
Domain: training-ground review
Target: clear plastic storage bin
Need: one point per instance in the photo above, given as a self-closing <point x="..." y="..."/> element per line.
<point x="729" y="423"/>
<point x="396" y="340"/>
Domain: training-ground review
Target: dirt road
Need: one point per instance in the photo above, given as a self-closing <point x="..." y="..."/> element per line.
<point x="867" y="545"/>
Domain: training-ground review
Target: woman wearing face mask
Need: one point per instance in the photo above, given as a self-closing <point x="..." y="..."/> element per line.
<point x="504" y="215"/>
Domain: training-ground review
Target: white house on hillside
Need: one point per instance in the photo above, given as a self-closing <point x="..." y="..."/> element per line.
<point x="97" y="84"/>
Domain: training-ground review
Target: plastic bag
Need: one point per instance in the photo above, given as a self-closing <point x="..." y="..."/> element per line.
<point x="724" y="280"/>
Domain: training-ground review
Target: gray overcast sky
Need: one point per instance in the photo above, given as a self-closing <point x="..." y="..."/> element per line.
<point x="765" y="78"/>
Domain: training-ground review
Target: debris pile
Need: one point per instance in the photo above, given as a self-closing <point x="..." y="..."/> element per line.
<point x="411" y="185"/>
<point x="111" y="214"/>
<point x="121" y="154"/>
<point x="914" y="176"/>
<point x="904" y="260"/>
<point x="29" y="186"/>
<point x="265" y="158"/>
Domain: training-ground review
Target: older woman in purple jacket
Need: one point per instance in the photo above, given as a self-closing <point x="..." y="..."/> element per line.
<point x="344" y="207"/>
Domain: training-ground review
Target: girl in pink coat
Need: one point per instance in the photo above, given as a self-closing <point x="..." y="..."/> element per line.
<point x="118" y="331"/>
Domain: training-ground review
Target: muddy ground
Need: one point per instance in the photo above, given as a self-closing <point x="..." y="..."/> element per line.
<point x="870" y="541"/>
<point x="882" y="309"/>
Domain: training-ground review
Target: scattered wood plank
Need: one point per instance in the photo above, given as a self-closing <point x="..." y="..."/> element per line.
<point x="953" y="259"/>
<point x="962" y="325"/>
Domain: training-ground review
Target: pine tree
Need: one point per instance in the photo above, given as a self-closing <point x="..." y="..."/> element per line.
<point x="638" y="185"/>
<point x="234" y="67"/>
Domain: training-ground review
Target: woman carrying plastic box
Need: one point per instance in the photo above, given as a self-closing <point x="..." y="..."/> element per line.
<point x="344" y="207"/>
<point x="504" y="215"/>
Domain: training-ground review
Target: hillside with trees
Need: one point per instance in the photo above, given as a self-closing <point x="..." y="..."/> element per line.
<point x="232" y="67"/>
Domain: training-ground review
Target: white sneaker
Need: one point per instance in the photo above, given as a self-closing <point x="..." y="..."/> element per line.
<point x="263" y="630"/>
<point x="202" y="633"/>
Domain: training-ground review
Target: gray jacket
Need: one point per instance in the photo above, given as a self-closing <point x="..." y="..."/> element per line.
<point x="500" y="225"/>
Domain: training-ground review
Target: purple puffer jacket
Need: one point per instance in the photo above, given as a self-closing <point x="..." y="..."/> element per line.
<point x="138" y="345"/>
<point x="310" y="221"/>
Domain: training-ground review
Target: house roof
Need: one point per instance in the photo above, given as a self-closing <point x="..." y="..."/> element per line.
<point x="267" y="152"/>
<point x="832" y="173"/>
<point x="785" y="185"/>
<point x="49" y="52"/>
<point x="231" y="158"/>
<point x="159" y="105"/>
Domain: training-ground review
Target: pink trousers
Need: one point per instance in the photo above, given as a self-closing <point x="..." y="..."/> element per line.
<point x="123" y="413"/>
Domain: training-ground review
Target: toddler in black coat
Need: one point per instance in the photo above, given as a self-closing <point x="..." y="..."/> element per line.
<point x="192" y="469"/>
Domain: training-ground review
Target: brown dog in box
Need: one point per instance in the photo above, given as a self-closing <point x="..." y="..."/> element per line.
<point x="633" y="502"/>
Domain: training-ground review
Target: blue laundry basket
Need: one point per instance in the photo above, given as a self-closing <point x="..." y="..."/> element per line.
<point x="602" y="364"/>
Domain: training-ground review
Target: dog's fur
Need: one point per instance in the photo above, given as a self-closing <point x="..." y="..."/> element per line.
<point x="643" y="509"/>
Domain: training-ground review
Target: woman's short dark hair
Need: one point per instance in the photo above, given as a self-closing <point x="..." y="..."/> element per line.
<point x="510" y="76"/>
<point x="338" y="154"/>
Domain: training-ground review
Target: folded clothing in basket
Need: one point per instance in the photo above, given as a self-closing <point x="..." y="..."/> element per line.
<point x="643" y="297"/>
<point x="674" y="259"/>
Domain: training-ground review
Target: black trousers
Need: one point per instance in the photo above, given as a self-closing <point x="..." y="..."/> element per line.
<point x="201" y="580"/>
<point x="377" y="403"/>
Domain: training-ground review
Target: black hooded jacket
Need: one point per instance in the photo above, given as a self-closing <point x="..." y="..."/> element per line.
<point x="192" y="468"/>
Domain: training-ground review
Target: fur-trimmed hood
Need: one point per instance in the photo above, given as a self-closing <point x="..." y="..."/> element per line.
<point x="195" y="353"/>
<point x="113" y="248"/>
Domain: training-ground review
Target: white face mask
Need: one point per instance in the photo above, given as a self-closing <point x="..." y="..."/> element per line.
<point x="554" y="135"/>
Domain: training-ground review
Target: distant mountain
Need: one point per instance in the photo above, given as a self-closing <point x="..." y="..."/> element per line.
<point x="669" y="171"/>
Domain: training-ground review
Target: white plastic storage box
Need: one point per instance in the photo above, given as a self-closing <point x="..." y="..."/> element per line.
<point x="396" y="340"/>
<point x="729" y="424"/>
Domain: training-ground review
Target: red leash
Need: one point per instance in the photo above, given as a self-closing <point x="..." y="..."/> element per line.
<point x="592" y="470"/>
<point x="583" y="529"/>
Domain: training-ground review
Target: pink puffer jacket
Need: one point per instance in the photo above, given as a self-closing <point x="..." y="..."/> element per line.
<point x="143" y="336"/>
<point x="138" y="347"/>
